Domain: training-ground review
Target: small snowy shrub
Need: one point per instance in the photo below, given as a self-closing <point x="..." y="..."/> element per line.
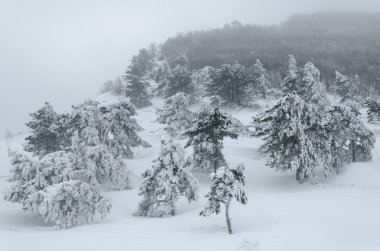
<point x="23" y="170"/>
<point x="58" y="187"/>
<point x="72" y="203"/>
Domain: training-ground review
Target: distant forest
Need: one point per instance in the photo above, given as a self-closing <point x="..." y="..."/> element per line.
<point x="347" y="42"/>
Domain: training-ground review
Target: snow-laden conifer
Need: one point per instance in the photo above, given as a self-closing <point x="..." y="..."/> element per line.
<point x="44" y="137"/>
<point x="294" y="137"/>
<point x="228" y="86"/>
<point x="346" y="87"/>
<point x="373" y="112"/>
<point x="351" y="140"/>
<point x="311" y="88"/>
<point x="175" y="114"/>
<point x="165" y="182"/>
<point x="206" y="137"/>
<point x="260" y="82"/>
<point x="137" y="86"/>
<point x="290" y="83"/>
<point x="225" y="186"/>
<point x="179" y="79"/>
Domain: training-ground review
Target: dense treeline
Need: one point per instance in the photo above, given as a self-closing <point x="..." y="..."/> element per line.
<point x="347" y="42"/>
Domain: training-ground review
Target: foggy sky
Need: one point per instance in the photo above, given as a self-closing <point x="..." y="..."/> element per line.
<point x="62" y="51"/>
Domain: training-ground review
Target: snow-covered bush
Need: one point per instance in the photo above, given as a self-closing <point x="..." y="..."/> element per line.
<point x="23" y="170"/>
<point x="175" y="114"/>
<point x="165" y="182"/>
<point x="71" y="203"/>
<point x="57" y="187"/>
<point x="225" y="185"/>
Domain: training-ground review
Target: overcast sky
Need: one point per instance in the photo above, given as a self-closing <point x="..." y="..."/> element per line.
<point x="62" y="51"/>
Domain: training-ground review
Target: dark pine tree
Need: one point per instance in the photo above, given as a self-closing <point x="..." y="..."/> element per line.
<point x="210" y="130"/>
<point x="137" y="87"/>
<point x="44" y="137"/>
<point x="373" y="112"/>
<point x="229" y="83"/>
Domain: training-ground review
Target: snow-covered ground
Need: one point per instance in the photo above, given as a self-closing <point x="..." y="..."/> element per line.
<point x="340" y="213"/>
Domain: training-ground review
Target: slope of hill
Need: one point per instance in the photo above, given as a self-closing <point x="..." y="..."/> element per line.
<point x="341" y="213"/>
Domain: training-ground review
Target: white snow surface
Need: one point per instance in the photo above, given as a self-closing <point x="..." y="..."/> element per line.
<point x="340" y="213"/>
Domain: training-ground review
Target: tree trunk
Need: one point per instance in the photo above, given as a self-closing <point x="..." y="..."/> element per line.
<point x="228" y="219"/>
<point x="353" y="150"/>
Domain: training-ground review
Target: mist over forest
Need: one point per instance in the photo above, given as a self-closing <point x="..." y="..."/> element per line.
<point x="347" y="42"/>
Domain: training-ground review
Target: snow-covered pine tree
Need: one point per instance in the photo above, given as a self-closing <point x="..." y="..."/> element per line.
<point x="228" y="85"/>
<point x="225" y="185"/>
<point x="121" y="129"/>
<point x="260" y="79"/>
<point x="44" y="137"/>
<point x="101" y="136"/>
<point x="311" y="89"/>
<point x="373" y="112"/>
<point x="201" y="79"/>
<point x="179" y="80"/>
<point x="349" y="138"/>
<point x="290" y="83"/>
<point x="295" y="138"/>
<point x="165" y="182"/>
<point x="90" y="135"/>
<point x="160" y="75"/>
<point x="175" y="114"/>
<point x="345" y="87"/>
<point x="137" y="86"/>
<point x="206" y="137"/>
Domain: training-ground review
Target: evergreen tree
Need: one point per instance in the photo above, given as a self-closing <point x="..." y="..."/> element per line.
<point x="206" y="137"/>
<point x="349" y="138"/>
<point x="165" y="182"/>
<point x="201" y="79"/>
<point x="345" y="87"/>
<point x="225" y="185"/>
<point x="373" y="112"/>
<point x="44" y="137"/>
<point x="179" y="80"/>
<point x="137" y="87"/>
<point x="295" y="138"/>
<point x="290" y="84"/>
<point x="311" y="89"/>
<point x="175" y="114"/>
<point x="260" y="79"/>
<point x="160" y="75"/>
<point x="229" y="85"/>
<point x="117" y="120"/>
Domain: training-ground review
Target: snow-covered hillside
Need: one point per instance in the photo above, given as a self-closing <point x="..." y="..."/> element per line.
<point x="339" y="213"/>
